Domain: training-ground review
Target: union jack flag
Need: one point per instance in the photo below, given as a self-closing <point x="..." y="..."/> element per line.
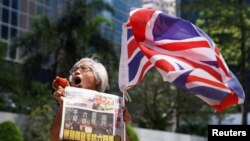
<point x="183" y="54"/>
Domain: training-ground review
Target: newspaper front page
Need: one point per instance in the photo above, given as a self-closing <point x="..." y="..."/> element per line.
<point x="91" y="116"/>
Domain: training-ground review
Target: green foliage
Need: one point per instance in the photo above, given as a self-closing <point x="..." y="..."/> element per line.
<point x="229" y="27"/>
<point x="155" y="101"/>
<point x="19" y="95"/>
<point x="9" y="76"/>
<point x="53" y="46"/>
<point x="58" y="44"/>
<point x="131" y="133"/>
<point x="9" y="84"/>
<point x="195" y="120"/>
<point x="193" y="114"/>
<point x="10" y="132"/>
<point x="39" y="122"/>
<point x="3" y="49"/>
<point x="230" y="36"/>
<point x="196" y="123"/>
<point x="226" y="25"/>
<point x="165" y="107"/>
<point x="39" y="94"/>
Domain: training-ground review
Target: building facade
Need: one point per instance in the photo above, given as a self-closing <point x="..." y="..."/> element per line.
<point x="167" y="6"/>
<point x="16" y="19"/>
<point x="119" y="17"/>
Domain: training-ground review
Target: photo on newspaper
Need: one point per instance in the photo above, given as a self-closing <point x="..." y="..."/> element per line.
<point x="91" y="116"/>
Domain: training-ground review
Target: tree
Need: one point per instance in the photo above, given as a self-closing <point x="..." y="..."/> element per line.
<point x="230" y="32"/>
<point x="10" y="132"/>
<point x="39" y="117"/>
<point x="56" y="45"/>
<point x="154" y="100"/>
<point x="162" y="106"/>
<point x="52" y="47"/>
<point x="10" y="84"/>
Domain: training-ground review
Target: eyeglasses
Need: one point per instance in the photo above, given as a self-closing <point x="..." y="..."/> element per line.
<point x="82" y="68"/>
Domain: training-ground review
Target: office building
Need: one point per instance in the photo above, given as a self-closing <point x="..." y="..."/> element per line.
<point x="16" y="19"/>
<point x="120" y="16"/>
<point x="167" y="6"/>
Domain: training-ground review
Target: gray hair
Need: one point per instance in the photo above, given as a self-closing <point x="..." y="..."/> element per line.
<point x="100" y="73"/>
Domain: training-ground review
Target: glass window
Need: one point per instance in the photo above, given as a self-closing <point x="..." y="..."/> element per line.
<point x="14" y="18"/>
<point x="107" y="33"/>
<point x="107" y="14"/>
<point x="121" y="16"/>
<point x="40" y="1"/>
<point x="23" y="21"/>
<point x="30" y="23"/>
<point x="32" y="8"/>
<point x="6" y="2"/>
<point x="13" y="32"/>
<point x="119" y="5"/>
<point x="4" y="32"/>
<point x="24" y="6"/>
<point x="15" y="4"/>
<point x="118" y="26"/>
<point x="48" y="2"/>
<point x="117" y="37"/>
<point x="5" y="15"/>
<point x="109" y="1"/>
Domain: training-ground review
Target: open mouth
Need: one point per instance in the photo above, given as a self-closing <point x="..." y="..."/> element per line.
<point x="77" y="80"/>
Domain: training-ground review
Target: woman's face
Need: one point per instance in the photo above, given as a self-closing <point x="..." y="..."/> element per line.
<point x="83" y="76"/>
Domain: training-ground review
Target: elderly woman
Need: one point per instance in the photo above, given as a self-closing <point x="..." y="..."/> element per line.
<point x="87" y="73"/>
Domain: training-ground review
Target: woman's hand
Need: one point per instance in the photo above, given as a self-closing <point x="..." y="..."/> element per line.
<point x="58" y="85"/>
<point x="59" y="94"/>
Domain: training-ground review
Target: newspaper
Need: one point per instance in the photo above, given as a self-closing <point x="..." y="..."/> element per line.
<point x="92" y="116"/>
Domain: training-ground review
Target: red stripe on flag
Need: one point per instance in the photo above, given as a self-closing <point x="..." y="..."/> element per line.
<point x="128" y="24"/>
<point x="192" y="78"/>
<point x="184" y="45"/>
<point x="132" y="46"/>
<point x="217" y="51"/>
<point x="221" y="65"/>
<point x="219" y="61"/>
<point x="164" y="65"/>
<point x="139" y="22"/>
<point x="149" y="53"/>
<point x="207" y="69"/>
<point x="231" y="99"/>
<point x="144" y="68"/>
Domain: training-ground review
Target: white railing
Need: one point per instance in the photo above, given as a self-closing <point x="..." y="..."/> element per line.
<point x="155" y="135"/>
